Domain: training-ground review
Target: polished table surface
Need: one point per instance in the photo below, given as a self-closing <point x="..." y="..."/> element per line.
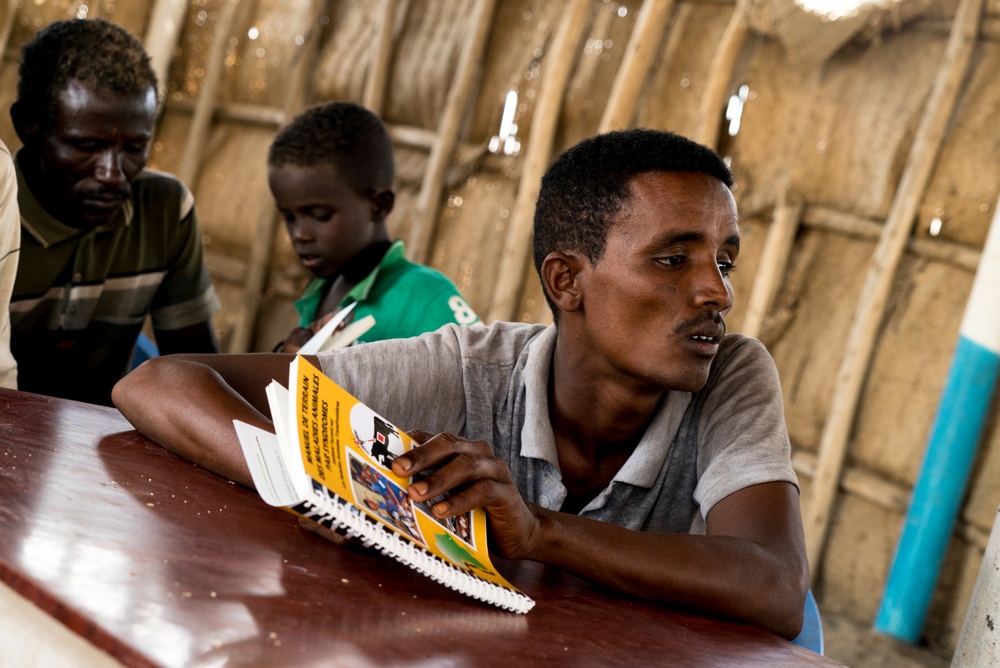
<point x="160" y="563"/>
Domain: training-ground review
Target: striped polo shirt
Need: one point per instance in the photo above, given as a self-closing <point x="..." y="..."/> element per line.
<point x="81" y="296"/>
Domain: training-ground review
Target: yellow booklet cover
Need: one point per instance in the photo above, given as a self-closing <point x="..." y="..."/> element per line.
<point x="329" y="461"/>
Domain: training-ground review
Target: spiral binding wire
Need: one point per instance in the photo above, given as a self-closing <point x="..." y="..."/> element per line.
<point x="352" y="522"/>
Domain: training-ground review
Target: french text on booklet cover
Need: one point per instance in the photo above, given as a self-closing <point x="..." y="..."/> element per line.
<point x="330" y="460"/>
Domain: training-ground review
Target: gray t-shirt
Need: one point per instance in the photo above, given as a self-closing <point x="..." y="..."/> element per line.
<point x="490" y="383"/>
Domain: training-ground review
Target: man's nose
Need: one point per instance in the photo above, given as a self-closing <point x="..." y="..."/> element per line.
<point x="109" y="168"/>
<point x="713" y="289"/>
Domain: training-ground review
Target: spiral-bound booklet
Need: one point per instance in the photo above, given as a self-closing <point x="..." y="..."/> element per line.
<point x="329" y="461"/>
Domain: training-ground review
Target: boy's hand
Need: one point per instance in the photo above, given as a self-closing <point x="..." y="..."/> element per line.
<point x="295" y="340"/>
<point x="474" y="478"/>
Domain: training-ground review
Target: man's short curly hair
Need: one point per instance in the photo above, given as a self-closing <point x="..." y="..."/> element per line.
<point x="343" y="134"/>
<point x="585" y="188"/>
<point x="97" y="53"/>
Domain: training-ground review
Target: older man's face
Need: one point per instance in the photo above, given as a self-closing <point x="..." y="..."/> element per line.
<point x="97" y="145"/>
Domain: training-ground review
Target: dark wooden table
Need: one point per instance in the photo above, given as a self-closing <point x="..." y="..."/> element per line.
<point x="159" y="563"/>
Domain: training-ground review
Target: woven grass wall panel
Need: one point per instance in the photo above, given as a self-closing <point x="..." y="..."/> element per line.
<point x="411" y="166"/>
<point x="598" y="60"/>
<point x="951" y="598"/>
<point x="775" y="118"/>
<point x="858" y="556"/>
<point x="231" y="297"/>
<point x="425" y="59"/>
<point x="521" y="32"/>
<point x="428" y="37"/>
<point x="133" y="15"/>
<point x="231" y="190"/>
<point x="963" y="189"/>
<point x="812" y="318"/>
<point x="909" y="367"/>
<point x="471" y="235"/>
<point x="166" y="152"/>
<point x="984" y="486"/>
<point x="860" y="131"/>
<point x="35" y="14"/>
<point x="753" y="235"/>
<point x="258" y="54"/>
<point x="346" y="57"/>
<point x="673" y="92"/>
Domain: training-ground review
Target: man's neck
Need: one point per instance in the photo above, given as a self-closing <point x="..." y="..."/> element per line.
<point x="597" y="423"/>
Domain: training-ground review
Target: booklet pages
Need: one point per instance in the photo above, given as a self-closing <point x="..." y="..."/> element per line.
<point x="330" y="462"/>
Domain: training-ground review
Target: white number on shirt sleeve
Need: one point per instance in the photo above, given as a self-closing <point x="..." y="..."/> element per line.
<point x="464" y="315"/>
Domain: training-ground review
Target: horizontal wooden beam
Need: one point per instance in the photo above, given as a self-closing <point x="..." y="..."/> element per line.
<point x="883" y="493"/>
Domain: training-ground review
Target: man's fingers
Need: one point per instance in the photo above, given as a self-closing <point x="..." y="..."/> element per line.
<point x="436" y="451"/>
<point x="481" y="494"/>
<point x="420" y="436"/>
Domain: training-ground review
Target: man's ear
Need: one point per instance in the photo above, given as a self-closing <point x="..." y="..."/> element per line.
<point x="382" y="203"/>
<point x="25" y="124"/>
<point x="560" y="273"/>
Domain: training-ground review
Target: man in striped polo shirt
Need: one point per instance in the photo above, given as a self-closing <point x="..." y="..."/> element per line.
<point x="105" y="242"/>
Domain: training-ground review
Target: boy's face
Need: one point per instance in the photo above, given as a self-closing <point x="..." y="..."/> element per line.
<point x="327" y="221"/>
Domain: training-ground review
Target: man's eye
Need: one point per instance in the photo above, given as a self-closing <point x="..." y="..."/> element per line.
<point x="136" y="148"/>
<point x="726" y="268"/>
<point x="672" y="261"/>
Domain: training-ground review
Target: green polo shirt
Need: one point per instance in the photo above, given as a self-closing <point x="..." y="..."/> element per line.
<point x="81" y="296"/>
<point x="406" y="299"/>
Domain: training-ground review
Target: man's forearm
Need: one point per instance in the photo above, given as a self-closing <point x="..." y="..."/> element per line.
<point x="723" y="575"/>
<point x="189" y="409"/>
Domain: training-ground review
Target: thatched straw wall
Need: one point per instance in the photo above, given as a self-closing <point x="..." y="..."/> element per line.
<point x="832" y="138"/>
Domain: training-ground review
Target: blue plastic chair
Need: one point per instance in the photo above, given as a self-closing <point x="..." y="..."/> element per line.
<point x="811" y="636"/>
<point x="144" y="350"/>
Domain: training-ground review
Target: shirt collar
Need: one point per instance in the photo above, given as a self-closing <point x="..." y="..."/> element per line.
<point x="394" y="256"/>
<point x="45" y="228"/>
<point x="538" y="442"/>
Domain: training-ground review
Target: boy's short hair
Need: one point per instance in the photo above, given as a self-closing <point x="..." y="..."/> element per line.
<point x="587" y="185"/>
<point x="97" y="53"/>
<point x="346" y="135"/>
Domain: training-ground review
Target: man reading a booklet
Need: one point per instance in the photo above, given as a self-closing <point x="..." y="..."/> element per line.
<point x="632" y="443"/>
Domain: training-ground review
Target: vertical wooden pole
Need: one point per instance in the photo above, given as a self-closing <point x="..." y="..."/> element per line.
<point x="650" y="25"/>
<point x="259" y="262"/>
<point x="374" y="96"/>
<point x="470" y="65"/>
<point x="559" y="65"/>
<point x="8" y="25"/>
<point x="166" y="22"/>
<point x="720" y="72"/>
<point x="878" y="281"/>
<point x="205" y="106"/>
<point x="773" y="262"/>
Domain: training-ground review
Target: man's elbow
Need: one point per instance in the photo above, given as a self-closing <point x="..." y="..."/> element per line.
<point x="130" y="393"/>
<point x="788" y="600"/>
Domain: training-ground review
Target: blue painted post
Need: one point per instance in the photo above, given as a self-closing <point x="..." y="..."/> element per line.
<point x="951" y="450"/>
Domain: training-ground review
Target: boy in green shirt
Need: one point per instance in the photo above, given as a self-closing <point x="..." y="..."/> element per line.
<point x="330" y="171"/>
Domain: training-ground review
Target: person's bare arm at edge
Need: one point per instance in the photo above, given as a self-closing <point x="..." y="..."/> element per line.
<point x="187" y="404"/>
<point x="751" y="565"/>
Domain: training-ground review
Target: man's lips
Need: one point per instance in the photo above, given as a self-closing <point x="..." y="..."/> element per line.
<point x="104" y="201"/>
<point x="705" y="338"/>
